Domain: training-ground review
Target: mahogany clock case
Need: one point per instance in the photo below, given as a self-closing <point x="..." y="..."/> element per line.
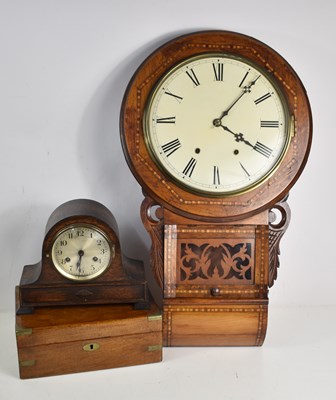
<point x="123" y="281"/>
<point x="164" y="190"/>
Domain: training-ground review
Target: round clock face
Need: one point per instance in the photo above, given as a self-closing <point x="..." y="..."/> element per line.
<point x="81" y="252"/>
<point x="217" y="124"/>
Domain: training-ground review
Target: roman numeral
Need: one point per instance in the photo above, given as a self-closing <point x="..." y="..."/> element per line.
<point x="170" y="147"/>
<point x="166" y="120"/>
<point x="175" y="96"/>
<point x="263" y="149"/>
<point x="243" y="80"/>
<point x="216" y="178"/>
<point x="262" y="98"/>
<point x="193" y="77"/>
<point x="218" y="71"/>
<point x="189" y="169"/>
<point x="244" y="169"/>
<point x="269" y="124"/>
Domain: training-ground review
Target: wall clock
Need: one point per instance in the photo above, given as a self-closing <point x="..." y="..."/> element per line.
<point x="216" y="127"/>
<point x="82" y="263"/>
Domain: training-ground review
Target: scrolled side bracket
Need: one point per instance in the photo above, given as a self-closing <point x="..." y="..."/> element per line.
<point x="279" y="219"/>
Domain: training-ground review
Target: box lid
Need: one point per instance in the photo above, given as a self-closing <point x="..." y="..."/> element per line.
<point x="64" y="324"/>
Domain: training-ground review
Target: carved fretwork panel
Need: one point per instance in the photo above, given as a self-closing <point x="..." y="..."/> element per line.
<point x="216" y="262"/>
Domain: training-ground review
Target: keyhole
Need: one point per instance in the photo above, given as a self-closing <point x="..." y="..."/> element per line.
<point x="91" y="347"/>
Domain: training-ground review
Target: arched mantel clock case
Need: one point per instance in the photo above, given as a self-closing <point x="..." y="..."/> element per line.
<point x="216" y="127"/>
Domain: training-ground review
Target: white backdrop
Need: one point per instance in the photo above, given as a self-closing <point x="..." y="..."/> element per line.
<point x="64" y="67"/>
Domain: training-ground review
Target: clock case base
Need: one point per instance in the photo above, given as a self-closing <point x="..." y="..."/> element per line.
<point x="64" y="340"/>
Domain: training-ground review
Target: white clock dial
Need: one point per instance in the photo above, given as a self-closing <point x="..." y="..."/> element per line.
<point x="81" y="252"/>
<point x="217" y="124"/>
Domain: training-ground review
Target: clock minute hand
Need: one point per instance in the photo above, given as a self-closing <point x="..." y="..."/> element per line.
<point x="252" y="83"/>
<point x="226" y="112"/>
<point x="246" y="89"/>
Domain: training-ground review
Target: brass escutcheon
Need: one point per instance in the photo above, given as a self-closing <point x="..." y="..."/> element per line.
<point x="91" y="347"/>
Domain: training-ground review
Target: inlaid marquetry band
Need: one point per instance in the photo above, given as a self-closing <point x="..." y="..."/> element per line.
<point x="170" y="243"/>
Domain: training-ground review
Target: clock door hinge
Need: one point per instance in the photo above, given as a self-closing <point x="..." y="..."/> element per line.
<point x="292" y="127"/>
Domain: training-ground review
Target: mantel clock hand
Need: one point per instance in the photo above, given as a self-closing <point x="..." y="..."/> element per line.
<point x="81" y="254"/>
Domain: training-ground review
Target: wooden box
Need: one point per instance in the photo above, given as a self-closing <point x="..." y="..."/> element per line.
<point x="64" y="340"/>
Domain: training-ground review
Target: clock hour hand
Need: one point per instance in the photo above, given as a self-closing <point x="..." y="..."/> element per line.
<point x="259" y="147"/>
<point x="246" y="89"/>
<point x="239" y="137"/>
<point x="78" y="265"/>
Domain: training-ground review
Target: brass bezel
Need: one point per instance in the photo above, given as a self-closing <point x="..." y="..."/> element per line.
<point x="185" y="186"/>
<point x="84" y="278"/>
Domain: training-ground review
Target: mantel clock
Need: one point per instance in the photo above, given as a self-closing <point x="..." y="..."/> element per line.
<point x="82" y="263"/>
<point x="216" y="127"/>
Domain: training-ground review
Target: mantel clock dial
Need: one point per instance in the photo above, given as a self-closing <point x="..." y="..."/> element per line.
<point x="82" y="252"/>
<point x="216" y="127"/>
<point x="82" y="263"/>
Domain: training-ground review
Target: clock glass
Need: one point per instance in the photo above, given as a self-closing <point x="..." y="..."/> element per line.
<point x="82" y="252"/>
<point x="217" y="124"/>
